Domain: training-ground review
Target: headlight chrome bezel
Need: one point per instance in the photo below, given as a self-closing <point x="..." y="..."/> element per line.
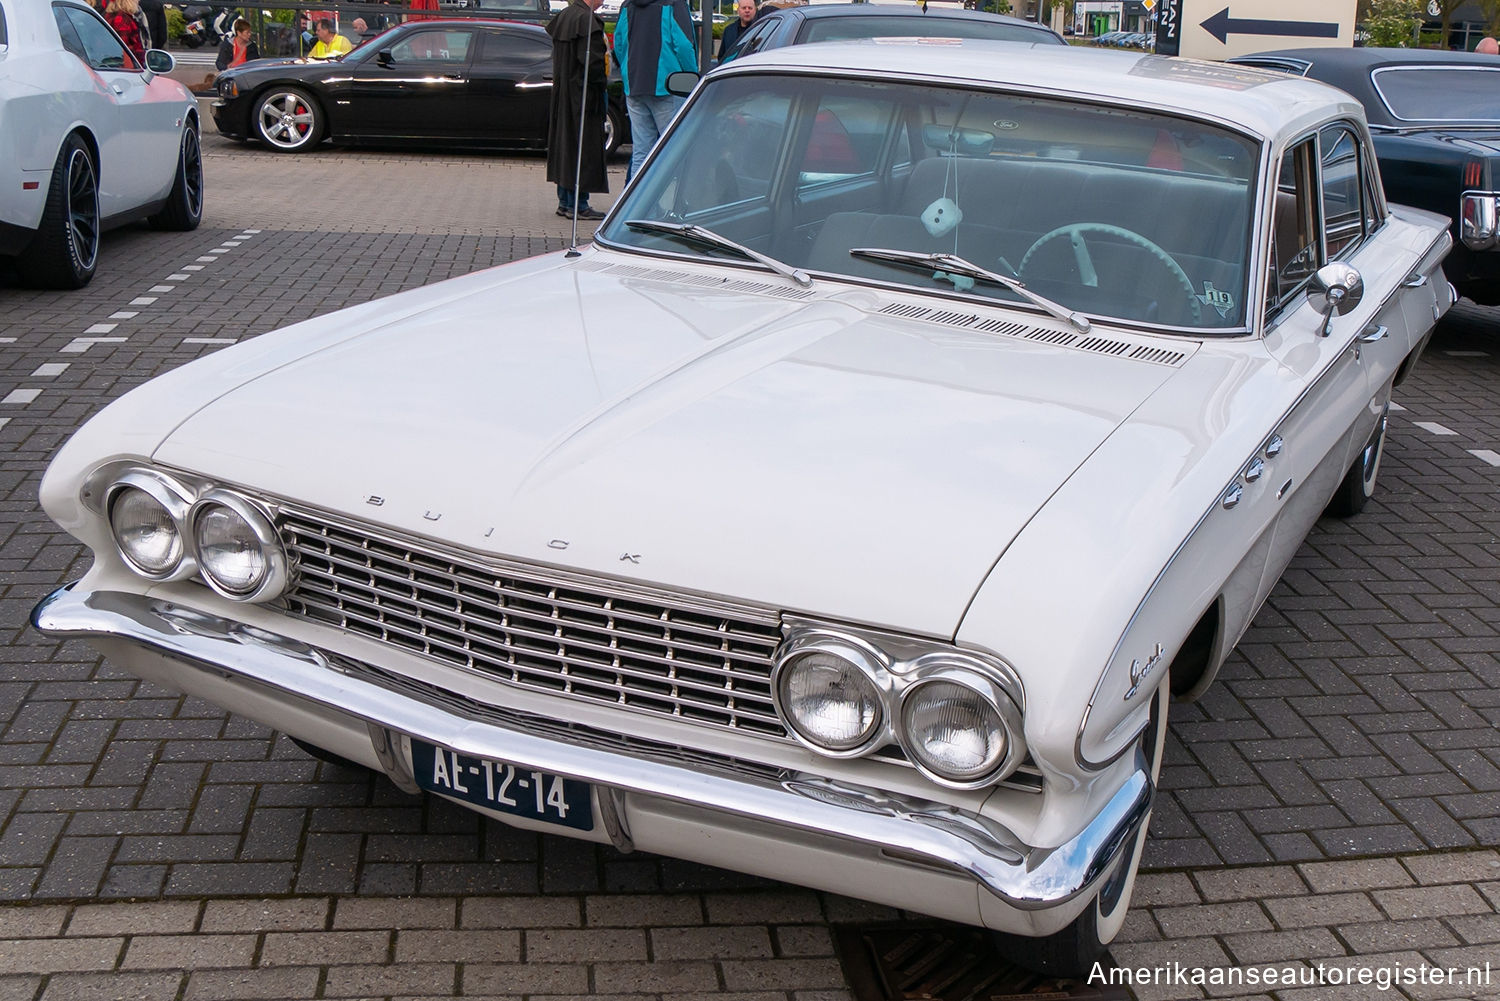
<point x="273" y="581"/>
<point x="895" y="667"/>
<point x="174" y="498"/>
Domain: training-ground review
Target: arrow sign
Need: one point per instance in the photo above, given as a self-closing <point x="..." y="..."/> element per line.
<point x="1221" y="26"/>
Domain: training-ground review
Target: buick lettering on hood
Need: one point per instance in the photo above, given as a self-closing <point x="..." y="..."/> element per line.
<point x="850" y="512"/>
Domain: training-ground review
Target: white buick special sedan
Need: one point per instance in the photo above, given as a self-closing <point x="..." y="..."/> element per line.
<point x="923" y="419"/>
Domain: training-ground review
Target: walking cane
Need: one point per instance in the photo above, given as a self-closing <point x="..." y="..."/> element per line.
<point x="583" y="114"/>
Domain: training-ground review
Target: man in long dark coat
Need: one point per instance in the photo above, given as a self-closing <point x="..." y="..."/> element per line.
<point x="577" y="40"/>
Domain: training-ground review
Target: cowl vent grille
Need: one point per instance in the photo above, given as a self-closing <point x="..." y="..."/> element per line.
<point x="1062" y="338"/>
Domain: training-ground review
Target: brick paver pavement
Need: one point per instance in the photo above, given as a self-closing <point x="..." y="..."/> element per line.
<point x="1336" y="793"/>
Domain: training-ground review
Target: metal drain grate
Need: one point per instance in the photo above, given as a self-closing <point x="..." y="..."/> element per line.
<point x="945" y="962"/>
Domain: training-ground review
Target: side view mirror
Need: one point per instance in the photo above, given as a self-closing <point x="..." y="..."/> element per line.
<point x="682" y="82"/>
<point x="159" y="61"/>
<point x="1334" y="290"/>
<point x="383" y="57"/>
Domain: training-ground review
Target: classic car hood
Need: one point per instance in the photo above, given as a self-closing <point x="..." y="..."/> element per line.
<point x="758" y="443"/>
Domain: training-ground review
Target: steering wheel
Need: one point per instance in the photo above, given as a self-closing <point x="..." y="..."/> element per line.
<point x="1085" y="261"/>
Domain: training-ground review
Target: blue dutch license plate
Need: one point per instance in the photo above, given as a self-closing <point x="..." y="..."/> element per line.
<point x="496" y="785"/>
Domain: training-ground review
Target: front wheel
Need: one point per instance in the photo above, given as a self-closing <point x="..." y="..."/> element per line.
<point x="1073" y="951"/>
<point x="288" y="120"/>
<point x="65" y="251"/>
<point x="184" y="208"/>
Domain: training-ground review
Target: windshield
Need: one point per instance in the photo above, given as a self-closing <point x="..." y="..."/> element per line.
<point x="1441" y="93"/>
<point x="1107" y="211"/>
<point x="828" y="29"/>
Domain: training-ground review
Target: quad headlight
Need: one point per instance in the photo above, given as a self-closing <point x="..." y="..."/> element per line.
<point x="956" y="714"/>
<point x="146" y="533"/>
<point x="952" y="730"/>
<point x="145" y="513"/>
<point x="238" y="550"/>
<point x="169" y="528"/>
<point x="828" y="693"/>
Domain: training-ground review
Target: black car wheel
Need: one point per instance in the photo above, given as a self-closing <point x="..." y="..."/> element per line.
<point x="614" y="132"/>
<point x="184" y="208"/>
<point x="65" y="250"/>
<point x="288" y="120"/>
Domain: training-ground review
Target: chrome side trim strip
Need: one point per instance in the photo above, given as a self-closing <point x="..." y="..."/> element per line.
<point x="299" y="674"/>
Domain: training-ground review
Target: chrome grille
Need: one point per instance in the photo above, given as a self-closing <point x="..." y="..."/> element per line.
<point x="678" y="659"/>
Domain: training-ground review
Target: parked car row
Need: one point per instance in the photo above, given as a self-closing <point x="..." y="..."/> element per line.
<point x="1144" y="40"/>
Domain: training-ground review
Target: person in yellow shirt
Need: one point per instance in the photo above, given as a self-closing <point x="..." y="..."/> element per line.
<point x="330" y="43"/>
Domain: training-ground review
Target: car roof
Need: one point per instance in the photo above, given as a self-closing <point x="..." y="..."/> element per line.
<point x="1263" y="103"/>
<point x="818" y="12"/>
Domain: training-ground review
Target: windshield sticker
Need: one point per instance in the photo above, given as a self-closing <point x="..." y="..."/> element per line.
<point x="1217" y="298"/>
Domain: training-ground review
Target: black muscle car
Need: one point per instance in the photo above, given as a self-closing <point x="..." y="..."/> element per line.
<point x="1435" y="117"/>
<point x="460" y="83"/>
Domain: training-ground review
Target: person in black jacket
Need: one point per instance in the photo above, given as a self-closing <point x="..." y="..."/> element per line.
<point x="156" y="22"/>
<point x="749" y="14"/>
<point x="237" y="48"/>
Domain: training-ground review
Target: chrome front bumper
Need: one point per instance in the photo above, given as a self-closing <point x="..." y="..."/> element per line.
<point x="896" y="831"/>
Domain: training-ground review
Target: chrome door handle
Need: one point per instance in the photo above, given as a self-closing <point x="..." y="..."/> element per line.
<point x="1373" y="334"/>
<point x="1414" y="281"/>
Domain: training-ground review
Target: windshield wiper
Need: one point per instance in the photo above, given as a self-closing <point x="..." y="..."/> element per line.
<point x="706" y="236"/>
<point x="955" y="265"/>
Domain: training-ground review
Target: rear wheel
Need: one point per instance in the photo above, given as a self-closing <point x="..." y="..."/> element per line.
<point x="288" y="120"/>
<point x="1073" y="951"/>
<point x="614" y="132"/>
<point x="1359" y="482"/>
<point x="184" y="208"/>
<point x="65" y="251"/>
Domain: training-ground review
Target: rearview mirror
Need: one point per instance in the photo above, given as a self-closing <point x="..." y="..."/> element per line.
<point x="159" y="61"/>
<point x="682" y="82"/>
<point x="963" y="142"/>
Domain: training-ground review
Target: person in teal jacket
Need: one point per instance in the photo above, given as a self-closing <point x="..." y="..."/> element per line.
<point x="653" y="39"/>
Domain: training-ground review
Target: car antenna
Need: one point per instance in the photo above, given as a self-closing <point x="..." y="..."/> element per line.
<point x="583" y="114"/>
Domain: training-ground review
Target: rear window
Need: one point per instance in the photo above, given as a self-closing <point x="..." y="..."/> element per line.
<point x="1440" y="93"/>
<point x="832" y="29"/>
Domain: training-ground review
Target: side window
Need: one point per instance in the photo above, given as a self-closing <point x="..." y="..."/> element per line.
<point x="450" y="47"/>
<point x="510" y="48"/>
<point x="96" y="43"/>
<point x="756" y="37"/>
<point x="1343" y="190"/>
<point x="1294" y="232"/>
<point x="846" y="139"/>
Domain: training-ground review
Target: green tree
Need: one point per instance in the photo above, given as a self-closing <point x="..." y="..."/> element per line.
<point x="1491" y="10"/>
<point x="1394" y="23"/>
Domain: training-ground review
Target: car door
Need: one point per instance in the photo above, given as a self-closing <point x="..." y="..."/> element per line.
<point x="136" y="149"/>
<point x="1327" y="211"/>
<point x="510" y="87"/>
<point x="414" y="87"/>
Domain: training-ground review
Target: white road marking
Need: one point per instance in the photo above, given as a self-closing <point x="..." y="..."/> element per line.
<point x="161" y="288"/>
<point x="192" y="267"/>
<point x="178" y="277"/>
<point x="4" y="421"/>
<point x="79" y="345"/>
<point x="207" y="260"/>
<point x="251" y="232"/>
<point x="1486" y="455"/>
<point x="7" y="340"/>
<point x="103" y="328"/>
<point x="1432" y="427"/>
<point x="143" y="300"/>
<point x="209" y="340"/>
<point x="50" y="370"/>
<point x="124" y="314"/>
<point x="218" y="250"/>
<point x="1397" y="408"/>
<point x="21" y="396"/>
